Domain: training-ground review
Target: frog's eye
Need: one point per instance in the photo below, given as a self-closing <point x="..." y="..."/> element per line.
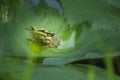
<point x="41" y="30"/>
<point x="50" y="33"/>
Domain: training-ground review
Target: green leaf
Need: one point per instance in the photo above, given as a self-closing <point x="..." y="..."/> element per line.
<point x="88" y="29"/>
<point x="22" y="70"/>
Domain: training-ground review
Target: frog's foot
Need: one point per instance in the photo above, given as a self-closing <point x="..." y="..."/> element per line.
<point x="30" y="29"/>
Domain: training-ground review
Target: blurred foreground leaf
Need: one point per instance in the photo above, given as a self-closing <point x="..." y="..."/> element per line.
<point x="16" y="69"/>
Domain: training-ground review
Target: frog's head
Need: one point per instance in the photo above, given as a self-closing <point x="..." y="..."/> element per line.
<point x="50" y="34"/>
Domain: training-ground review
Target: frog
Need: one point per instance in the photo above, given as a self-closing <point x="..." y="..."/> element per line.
<point x="43" y="37"/>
